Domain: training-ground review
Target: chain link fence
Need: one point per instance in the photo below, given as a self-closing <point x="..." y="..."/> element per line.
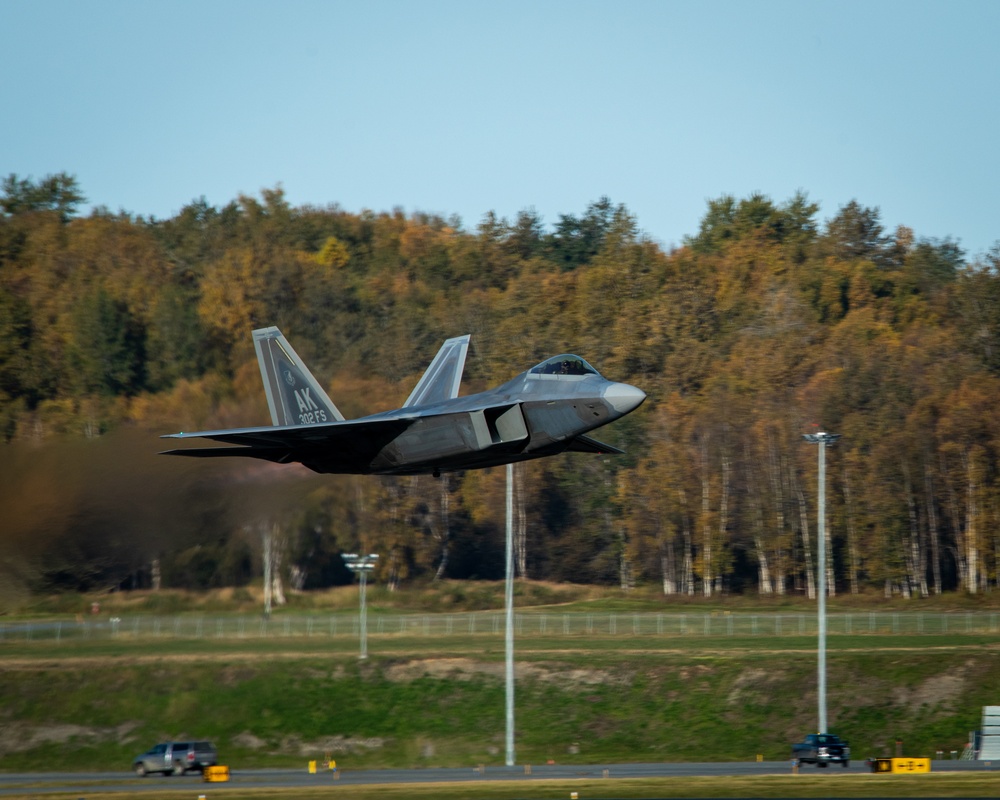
<point x="527" y="624"/>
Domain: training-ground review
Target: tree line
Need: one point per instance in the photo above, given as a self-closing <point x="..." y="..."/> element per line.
<point x="764" y="324"/>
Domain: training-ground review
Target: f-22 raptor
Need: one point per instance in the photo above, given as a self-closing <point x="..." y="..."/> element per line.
<point x="542" y="412"/>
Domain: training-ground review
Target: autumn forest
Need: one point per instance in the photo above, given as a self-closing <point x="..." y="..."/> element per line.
<point x="766" y="323"/>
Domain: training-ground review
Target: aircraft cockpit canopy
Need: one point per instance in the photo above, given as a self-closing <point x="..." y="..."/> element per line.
<point x="566" y="364"/>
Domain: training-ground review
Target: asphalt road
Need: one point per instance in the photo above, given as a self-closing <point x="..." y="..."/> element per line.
<point x="84" y="783"/>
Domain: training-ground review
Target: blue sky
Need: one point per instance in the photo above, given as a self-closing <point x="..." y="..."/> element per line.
<point x="466" y="107"/>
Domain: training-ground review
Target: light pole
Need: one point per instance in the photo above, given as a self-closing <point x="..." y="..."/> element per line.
<point x="509" y="608"/>
<point x="361" y="565"/>
<point x="822" y="439"/>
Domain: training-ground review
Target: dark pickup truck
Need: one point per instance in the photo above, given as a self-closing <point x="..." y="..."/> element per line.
<point x="822" y="749"/>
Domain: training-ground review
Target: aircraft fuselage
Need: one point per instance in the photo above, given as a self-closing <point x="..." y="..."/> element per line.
<point x="525" y="418"/>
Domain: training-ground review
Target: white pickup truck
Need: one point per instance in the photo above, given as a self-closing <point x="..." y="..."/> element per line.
<point x="175" y="757"/>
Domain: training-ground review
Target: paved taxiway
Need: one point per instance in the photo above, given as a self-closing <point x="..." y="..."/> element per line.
<point x="84" y="783"/>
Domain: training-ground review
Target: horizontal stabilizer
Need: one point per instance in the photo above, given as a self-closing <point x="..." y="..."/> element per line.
<point x="330" y="435"/>
<point x="277" y="455"/>
<point x="346" y="446"/>
<point x="584" y="444"/>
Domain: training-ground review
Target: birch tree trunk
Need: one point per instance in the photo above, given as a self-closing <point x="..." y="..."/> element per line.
<point x="626" y="572"/>
<point x="916" y="562"/>
<point x="971" y="522"/>
<point x="723" y="512"/>
<point x="520" y="523"/>
<point x="393" y="493"/>
<point x="955" y="516"/>
<point x="806" y="545"/>
<point x="932" y="529"/>
<point x="853" y="556"/>
<point x="443" y="527"/>
<point x="688" y="573"/>
<point x="668" y="564"/>
<point x="706" y="526"/>
<point x="272" y="554"/>
<point x="757" y="521"/>
<point x="774" y="471"/>
<point x="831" y="580"/>
<point x="267" y="544"/>
<point x="278" y="590"/>
<point x="626" y="579"/>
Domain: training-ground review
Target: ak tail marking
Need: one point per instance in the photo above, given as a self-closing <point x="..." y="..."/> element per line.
<point x="294" y="396"/>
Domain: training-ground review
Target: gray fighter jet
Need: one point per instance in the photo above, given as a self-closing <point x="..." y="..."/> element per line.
<point x="547" y="410"/>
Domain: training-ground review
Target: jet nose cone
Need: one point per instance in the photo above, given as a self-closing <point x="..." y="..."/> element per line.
<point x="623" y="397"/>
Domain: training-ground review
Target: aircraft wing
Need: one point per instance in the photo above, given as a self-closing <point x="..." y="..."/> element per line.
<point x="443" y="376"/>
<point x="348" y="446"/>
<point x="584" y="444"/>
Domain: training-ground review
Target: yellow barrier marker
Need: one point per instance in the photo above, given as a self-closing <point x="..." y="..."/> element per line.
<point x="900" y="765"/>
<point x="312" y="767"/>
<point x="911" y="765"/>
<point x="216" y="774"/>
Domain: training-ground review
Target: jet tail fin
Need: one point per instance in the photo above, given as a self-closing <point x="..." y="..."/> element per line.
<point x="294" y="396"/>
<point x="444" y="376"/>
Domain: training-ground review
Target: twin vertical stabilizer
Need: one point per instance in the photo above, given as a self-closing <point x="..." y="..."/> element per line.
<point x="294" y="397"/>
<point x="443" y="376"/>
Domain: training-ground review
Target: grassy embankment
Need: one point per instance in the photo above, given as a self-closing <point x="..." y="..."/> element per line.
<point x="438" y="701"/>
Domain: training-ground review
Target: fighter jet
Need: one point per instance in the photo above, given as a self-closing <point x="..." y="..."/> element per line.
<point x="542" y="412"/>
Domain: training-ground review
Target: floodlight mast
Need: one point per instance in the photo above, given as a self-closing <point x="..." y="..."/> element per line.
<point x="361" y="565"/>
<point x="509" y="616"/>
<point x="823" y="440"/>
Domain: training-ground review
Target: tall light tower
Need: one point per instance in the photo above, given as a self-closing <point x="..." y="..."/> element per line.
<point x="822" y="439"/>
<point x="509" y="609"/>
<point x="361" y="565"/>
